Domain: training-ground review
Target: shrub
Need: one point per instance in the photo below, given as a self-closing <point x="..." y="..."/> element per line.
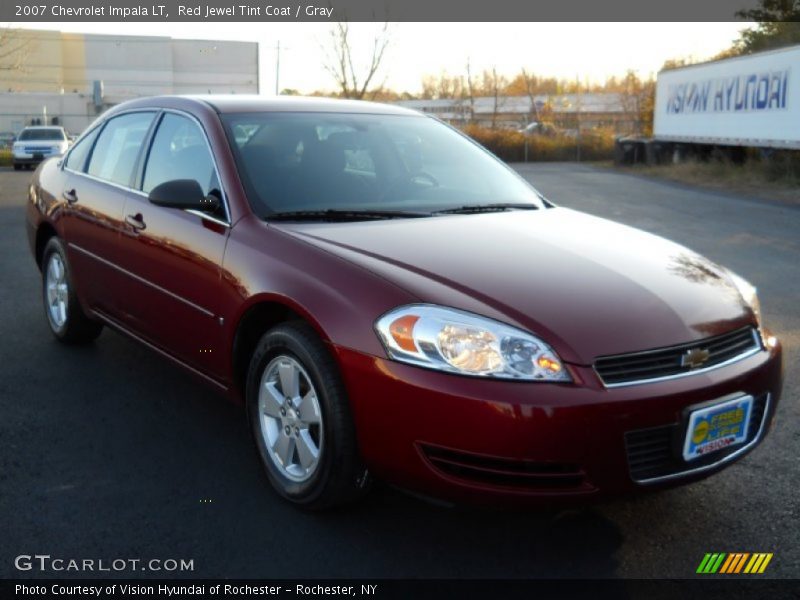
<point x="782" y="165"/>
<point x="5" y="158"/>
<point x="509" y="145"/>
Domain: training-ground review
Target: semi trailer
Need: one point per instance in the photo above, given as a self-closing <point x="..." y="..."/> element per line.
<point x="724" y="106"/>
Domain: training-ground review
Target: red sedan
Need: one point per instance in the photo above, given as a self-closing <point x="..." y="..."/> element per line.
<point x="388" y="299"/>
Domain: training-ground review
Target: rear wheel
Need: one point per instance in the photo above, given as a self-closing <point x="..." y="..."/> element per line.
<point x="64" y="314"/>
<point x="301" y="421"/>
<point x="17" y="167"/>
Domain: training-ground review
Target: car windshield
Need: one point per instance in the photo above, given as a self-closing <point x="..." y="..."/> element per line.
<point x="42" y="135"/>
<point x="400" y="165"/>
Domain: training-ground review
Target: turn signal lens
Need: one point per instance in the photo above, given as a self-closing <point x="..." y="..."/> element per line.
<point x="402" y="331"/>
<point x="549" y="364"/>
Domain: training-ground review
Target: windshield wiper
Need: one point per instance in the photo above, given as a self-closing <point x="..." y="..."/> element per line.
<point x="332" y="214"/>
<point x="481" y="208"/>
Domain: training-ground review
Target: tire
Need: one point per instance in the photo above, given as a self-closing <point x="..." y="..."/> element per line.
<point x="63" y="312"/>
<point x="17" y="167"/>
<point x="285" y="433"/>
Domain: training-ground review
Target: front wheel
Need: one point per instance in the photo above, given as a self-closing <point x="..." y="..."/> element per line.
<point x="300" y="419"/>
<point x="64" y="314"/>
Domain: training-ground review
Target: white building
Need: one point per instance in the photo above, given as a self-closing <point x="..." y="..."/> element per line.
<point x="75" y="77"/>
<point x="591" y="109"/>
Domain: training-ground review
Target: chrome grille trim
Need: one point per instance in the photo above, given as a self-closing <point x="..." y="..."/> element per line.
<point x="754" y="348"/>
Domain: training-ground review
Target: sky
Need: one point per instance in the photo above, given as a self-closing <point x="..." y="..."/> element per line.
<point x="587" y="51"/>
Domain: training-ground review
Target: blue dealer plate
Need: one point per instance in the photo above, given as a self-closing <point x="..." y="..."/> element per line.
<point x="717" y="427"/>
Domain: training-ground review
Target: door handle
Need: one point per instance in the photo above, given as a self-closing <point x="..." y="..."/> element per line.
<point x="70" y="196"/>
<point x="136" y="221"/>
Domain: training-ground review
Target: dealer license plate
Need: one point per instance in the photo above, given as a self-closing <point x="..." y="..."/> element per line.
<point x="717" y="427"/>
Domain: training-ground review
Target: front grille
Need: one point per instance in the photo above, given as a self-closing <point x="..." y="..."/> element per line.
<point x="656" y="452"/>
<point x="503" y="472"/>
<point x="667" y="362"/>
<point x="38" y="149"/>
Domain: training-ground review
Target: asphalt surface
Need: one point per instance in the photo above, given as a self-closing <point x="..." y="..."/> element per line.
<point x="111" y="452"/>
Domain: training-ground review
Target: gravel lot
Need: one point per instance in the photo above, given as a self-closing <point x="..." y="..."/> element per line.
<point x="111" y="452"/>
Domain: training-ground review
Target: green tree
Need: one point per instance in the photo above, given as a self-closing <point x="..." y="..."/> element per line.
<point x="778" y="26"/>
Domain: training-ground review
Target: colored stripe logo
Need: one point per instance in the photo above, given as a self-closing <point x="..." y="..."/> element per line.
<point x="734" y="563"/>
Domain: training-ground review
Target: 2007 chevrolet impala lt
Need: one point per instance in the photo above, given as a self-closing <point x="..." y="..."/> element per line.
<point x="388" y="299"/>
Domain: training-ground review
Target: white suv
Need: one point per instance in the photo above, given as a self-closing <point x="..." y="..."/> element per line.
<point x="35" y="144"/>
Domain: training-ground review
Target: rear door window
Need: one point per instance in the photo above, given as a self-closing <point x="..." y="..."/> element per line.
<point x="115" y="153"/>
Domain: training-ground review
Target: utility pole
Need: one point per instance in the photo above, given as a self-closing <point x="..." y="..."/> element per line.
<point x="277" y="68"/>
<point x="527" y="134"/>
<point x="578" y="118"/>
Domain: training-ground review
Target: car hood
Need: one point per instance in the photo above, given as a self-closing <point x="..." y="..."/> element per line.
<point x="587" y="286"/>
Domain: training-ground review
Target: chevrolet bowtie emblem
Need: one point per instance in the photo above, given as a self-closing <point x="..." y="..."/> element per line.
<point x="694" y="358"/>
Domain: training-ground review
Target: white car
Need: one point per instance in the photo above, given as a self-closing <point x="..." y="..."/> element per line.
<point x="35" y="144"/>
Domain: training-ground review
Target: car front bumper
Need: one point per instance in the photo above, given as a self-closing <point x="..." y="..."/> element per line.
<point x="467" y="439"/>
<point x="28" y="160"/>
<point x="22" y="158"/>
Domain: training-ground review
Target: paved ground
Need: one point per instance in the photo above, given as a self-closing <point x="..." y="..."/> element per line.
<point x="108" y="451"/>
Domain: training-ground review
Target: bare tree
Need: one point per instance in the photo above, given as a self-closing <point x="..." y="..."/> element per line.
<point x="530" y="81"/>
<point x="442" y="86"/>
<point x="494" y="85"/>
<point x="429" y="87"/>
<point x="636" y="97"/>
<point x="14" y="49"/>
<point x="353" y="79"/>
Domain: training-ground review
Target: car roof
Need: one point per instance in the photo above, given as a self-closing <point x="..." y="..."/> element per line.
<point x="242" y="103"/>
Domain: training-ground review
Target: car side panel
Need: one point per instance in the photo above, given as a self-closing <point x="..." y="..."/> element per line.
<point x="171" y="292"/>
<point x="43" y="206"/>
<point x="91" y="228"/>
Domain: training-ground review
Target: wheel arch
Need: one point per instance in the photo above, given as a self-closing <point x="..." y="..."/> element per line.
<point x="259" y="315"/>
<point x="44" y="233"/>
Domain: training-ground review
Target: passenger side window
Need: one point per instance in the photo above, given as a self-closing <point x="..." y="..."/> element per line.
<point x="80" y="152"/>
<point x="117" y="148"/>
<point x="180" y="151"/>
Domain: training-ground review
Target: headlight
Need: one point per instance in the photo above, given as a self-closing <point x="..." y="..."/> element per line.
<point x="749" y="294"/>
<point x="459" y="342"/>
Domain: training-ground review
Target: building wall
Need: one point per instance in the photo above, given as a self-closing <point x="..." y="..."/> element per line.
<point x="73" y="53"/>
<point x="74" y="111"/>
<point x="59" y="71"/>
<point x="566" y="111"/>
<point x="42" y="62"/>
<point x="135" y="66"/>
<point x="202" y="66"/>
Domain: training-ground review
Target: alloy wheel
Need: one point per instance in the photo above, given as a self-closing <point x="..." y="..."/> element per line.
<point x="290" y="418"/>
<point x="57" y="291"/>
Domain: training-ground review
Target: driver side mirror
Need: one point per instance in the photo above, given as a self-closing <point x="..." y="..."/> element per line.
<point x="185" y="194"/>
